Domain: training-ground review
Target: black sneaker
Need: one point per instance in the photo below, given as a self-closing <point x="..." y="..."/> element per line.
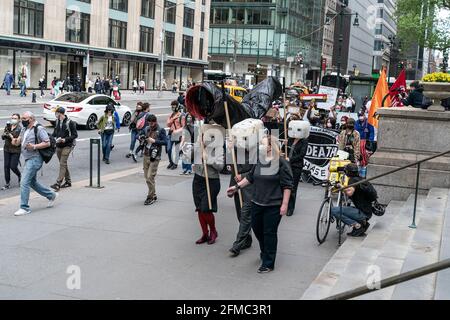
<point x="149" y="201"/>
<point x="128" y="156"/>
<point x="56" y="186"/>
<point x="6" y="187"/>
<point x="66" y="185"/>
<point x="233" y="252"/>
<point x="134" y="157"/>
<point x="264" y="270"/>
<point x="358" y="232"/>
<point x="107" y="161"/>
<point x="174" y="167"/>
<point x="170" y="166"/>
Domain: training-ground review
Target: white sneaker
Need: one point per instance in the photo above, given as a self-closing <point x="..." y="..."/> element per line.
<point x="52" y="202"/>
<point x="22" y="212"/>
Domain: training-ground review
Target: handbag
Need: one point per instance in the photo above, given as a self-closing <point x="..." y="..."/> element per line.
<point x="378" y="209"/>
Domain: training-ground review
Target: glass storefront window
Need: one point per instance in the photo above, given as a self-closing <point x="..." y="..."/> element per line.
<point x="98" y="68"/>
<point x="57" y="67"/>
<point x="6" y="63"/>
<point x="142" y="71"/>
<point x="120" y="69"/>
<point x="31" y="66"/>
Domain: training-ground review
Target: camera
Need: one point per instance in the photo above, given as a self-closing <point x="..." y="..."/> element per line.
<point x="153" y="154"/>
<point x="7" y="132"/>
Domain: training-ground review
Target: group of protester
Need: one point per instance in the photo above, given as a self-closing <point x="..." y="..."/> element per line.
<point x="262" y="195"/>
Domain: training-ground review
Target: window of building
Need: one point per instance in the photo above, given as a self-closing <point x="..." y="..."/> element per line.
<point x="187" y="46"/>
<point x="87" y="1"/>
<point x="28" y="18"/>
<point x="146" y="35"/>
<point x="77" y="26"/>
<point x="200" y="50"/>
<point x="121" y="5"/>
<point x="202" y="22"/>
<point x="188" y="20"/>
<point x="170" y="43"/>
<point x="148" y="9"/>
<point x="117" y="34"/>
<point x="171" y="13"/>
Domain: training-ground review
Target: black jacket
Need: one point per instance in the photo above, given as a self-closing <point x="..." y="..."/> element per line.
<point x="297" y="153"/>
<point x="67" y="130"/>
<point x="9" y="147"/>
<point x="363" y="196"/>
<point x="269" y="186"/>
<point x="414" y="99"/>
<point x="160" y="140"/>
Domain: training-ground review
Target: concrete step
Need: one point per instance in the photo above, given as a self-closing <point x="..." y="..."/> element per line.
<point x="380" y="251"/>
<point x="424" y="248"/>
<point x="442" y="291"/>
<point x="324" y="283"/>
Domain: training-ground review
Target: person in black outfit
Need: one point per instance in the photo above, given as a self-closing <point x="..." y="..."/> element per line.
<point x="415" y="97"/>
<point x="11" y="153"/>
<point x="244" y="215"/>
<point x="297" y="149"/>
<point x="65" y="133"/>
<point x="362" y="197"/>
<point x="273" y="181"/>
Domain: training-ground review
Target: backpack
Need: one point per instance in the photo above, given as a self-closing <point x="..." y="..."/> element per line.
<point x="48" y="152"/>
<point x="74" y="142"/>
<point x="140" y="124"/>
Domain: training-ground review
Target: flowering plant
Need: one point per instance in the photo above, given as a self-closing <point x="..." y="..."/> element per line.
<point x="437" y="77"/>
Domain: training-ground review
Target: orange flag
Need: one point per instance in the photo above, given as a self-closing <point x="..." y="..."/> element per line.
<point x="380" y="93"/>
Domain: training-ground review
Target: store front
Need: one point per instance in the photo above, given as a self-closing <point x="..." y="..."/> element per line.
<point x="56" y="62"/>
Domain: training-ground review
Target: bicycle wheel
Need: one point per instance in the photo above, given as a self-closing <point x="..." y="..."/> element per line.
<point x="323" y="220"/>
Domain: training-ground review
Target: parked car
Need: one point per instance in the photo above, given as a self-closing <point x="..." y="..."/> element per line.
<point x="85" y="108"/>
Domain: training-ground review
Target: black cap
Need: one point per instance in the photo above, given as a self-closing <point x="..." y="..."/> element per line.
<point x="61" y="110"/>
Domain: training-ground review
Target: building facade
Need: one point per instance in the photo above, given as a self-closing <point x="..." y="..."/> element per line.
<point x="104" y="38"/>
<point x="362" y="37"/>
<point x="254" y="39"/>
<point x="328" y="35"/>
<point x="386" y="27"/>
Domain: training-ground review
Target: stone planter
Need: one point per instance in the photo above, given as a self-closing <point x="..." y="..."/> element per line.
<point x="436" y="91"/>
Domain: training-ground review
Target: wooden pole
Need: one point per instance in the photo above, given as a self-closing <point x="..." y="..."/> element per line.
<point x="205" y="168"/>
<point x="285" y="120"/>
<point x="233" y="155"/>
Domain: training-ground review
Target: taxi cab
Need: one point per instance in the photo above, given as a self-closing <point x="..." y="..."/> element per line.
<point x="236" y="92"/>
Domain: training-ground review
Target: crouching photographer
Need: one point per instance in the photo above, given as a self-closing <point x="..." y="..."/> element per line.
<point x="11" y="152"/>
<point x="364" y="197"/>
<point x="155" y="139"/>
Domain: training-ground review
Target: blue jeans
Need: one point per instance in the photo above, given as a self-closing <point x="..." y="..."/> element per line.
<point x="134" y="136"/>
<point x="8" y="88"/>
<point x="29" y="179"/>
<point x="187" y="167"/>
<point x="23" y="89"/>
<point x="350" y="215"/>
<point x="106" y="144"/>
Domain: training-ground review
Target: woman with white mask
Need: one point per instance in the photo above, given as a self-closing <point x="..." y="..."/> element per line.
<point x="11" y="152"/>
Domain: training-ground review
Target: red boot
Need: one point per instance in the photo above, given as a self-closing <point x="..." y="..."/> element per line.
<point x="211" y="221"/>
<point x="204" y="226"/>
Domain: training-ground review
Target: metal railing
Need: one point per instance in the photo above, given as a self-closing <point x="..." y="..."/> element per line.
<point x="417" y="163"/>
<point x="410" y="275"/>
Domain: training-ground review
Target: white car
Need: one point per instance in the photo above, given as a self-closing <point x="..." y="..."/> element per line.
<point x="85" y="108"/>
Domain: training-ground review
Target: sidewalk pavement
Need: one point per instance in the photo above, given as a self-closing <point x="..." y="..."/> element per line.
<point x="127" y="95"/>
<point x="126" y="250"/>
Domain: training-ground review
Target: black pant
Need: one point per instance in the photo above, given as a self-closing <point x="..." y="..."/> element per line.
<point x="11" y="162"/>
<point x="244" y="215"/>
<point x="265" y="222"/>
<point x="297" y="173"/>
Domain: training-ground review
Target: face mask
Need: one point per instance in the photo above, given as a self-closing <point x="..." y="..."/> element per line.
<point x="14" y="121"/>
<point x="25" y="123"/>
<point x="361" y="119"/>
<point x="329" y="125"/>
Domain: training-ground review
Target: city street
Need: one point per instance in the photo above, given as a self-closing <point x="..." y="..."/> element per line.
<point x="79" y="161"/>
<point x="125" y="250"/>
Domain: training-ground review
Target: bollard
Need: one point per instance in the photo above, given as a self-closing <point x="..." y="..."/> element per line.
<point x="94" y="141"/>
<point x="33" y="97"/>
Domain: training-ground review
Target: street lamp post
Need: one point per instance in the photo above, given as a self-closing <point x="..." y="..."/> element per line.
<point x="341" y="14"/>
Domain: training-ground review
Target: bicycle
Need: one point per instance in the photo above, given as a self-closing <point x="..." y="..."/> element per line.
<point x="334" y="197"/>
